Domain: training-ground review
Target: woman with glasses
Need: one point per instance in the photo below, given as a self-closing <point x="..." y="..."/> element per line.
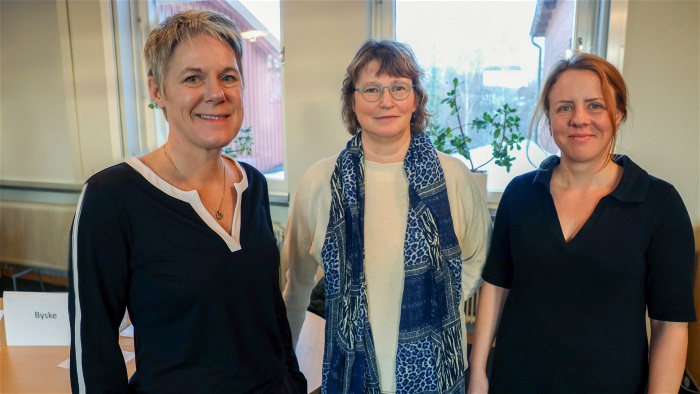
<point x="401" y="232"/>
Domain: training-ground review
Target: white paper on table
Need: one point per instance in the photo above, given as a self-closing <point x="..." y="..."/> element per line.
<point x="36" y="319"/>
<point x="1" y="313"/>
<point x="128" y="331"/>
<point x="125" y="321"/>
<point x="309" y="349"/>
<point x="128" y="356"/>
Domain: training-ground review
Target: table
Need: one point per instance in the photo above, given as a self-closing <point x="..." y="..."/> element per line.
<point x="33" y="369"/>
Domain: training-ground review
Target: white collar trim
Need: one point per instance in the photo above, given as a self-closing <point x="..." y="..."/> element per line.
<point x="192" y="197"/>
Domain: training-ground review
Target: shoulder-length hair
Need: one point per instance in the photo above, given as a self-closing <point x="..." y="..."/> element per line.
<point x="395" y="59"/>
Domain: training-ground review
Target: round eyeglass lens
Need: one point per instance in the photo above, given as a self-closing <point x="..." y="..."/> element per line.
<point x="373" y="92"/>
<point x="400" y="90"/>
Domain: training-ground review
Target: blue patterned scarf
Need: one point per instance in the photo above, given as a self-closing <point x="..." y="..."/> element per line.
<point x="429" y="355"/>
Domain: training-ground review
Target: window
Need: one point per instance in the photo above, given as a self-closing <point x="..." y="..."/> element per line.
<point x="501" y="52"/>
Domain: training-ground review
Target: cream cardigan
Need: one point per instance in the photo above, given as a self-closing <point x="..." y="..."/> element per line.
<point x="386" y="210"/>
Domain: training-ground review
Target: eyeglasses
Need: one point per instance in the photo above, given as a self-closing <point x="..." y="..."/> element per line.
<point x="373" y="92"/>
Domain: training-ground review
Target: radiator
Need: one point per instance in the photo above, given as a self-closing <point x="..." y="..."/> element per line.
<point x="35" y="234"/>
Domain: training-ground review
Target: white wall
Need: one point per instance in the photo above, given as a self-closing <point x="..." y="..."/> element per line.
<point x="94" y="70"/>
<point x="58" y="98"/>
<point x="38" y="123"/>
<point x="662" y="69"/>
<point x="319" y="38"/>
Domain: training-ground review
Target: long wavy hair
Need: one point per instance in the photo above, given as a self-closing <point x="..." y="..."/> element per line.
<point x="395" y="59"/>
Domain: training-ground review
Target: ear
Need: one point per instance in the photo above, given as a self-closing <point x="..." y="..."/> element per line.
<point x="618" y="118"/>
<point x="155" y="91"/>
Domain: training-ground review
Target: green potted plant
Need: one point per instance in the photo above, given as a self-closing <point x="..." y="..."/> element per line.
<point x="502" y="126"/>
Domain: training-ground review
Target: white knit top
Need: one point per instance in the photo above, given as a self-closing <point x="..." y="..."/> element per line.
<point x="386" y="211"/>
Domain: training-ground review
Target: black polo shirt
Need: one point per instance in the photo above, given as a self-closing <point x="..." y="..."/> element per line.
<point x="574" y="320"/>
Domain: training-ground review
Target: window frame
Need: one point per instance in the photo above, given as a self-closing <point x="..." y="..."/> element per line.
<point x="132" y="21"/>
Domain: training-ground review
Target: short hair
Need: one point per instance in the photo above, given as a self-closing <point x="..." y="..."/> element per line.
<point x="613" y="88"/>
<point x="183" y="26"/>
<point x="395" y="59"/>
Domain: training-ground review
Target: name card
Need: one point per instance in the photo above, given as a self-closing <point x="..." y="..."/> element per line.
<point x="36" y="319"/>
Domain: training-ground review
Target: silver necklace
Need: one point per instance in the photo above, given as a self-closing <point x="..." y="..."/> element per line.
<point x="219" y="215"/>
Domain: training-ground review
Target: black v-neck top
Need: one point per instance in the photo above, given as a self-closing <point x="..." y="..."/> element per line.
<point x="574" y="319"/>
<point x="206" y="306"/>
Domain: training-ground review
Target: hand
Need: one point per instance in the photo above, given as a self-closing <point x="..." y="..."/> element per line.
<point x="478" y="383"/>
